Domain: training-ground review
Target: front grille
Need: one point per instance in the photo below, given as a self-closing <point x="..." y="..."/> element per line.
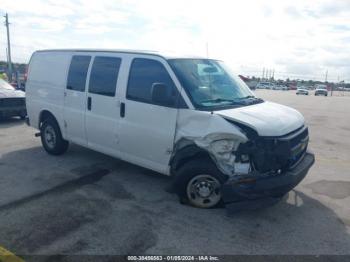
<point x="298" y="142"/>
<point x="299" y="149"/>
<point x="12" y="102"/>
<point x="279" y="153"/>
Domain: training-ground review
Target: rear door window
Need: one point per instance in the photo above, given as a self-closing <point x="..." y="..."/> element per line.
<point x="77" y="72"/>
<point x="104" y="75"/>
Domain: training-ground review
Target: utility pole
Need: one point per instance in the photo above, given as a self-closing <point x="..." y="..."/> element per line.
<point x="263" y="74"/>
<point x="326" y="75"/>
<point x="9" y="62"/>
<point x="267" y="74"/>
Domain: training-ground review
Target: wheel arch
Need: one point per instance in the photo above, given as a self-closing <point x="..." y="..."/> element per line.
<point x="44" y="114"/>
<point x="185" y="154"/>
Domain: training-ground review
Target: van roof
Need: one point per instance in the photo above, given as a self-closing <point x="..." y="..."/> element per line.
<point x="166" y="55"/>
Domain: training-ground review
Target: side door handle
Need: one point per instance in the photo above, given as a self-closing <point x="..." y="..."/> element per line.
<point x="89" y="103"/>
<point x="122" y="109"/>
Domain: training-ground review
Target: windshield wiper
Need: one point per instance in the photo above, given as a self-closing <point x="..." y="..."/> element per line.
<point x="247" y="97"/>
<point x="252" y="99"/>
<point x="221" y="100"/>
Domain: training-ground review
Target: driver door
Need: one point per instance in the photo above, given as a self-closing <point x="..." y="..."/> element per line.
<point x="147" y="129"/>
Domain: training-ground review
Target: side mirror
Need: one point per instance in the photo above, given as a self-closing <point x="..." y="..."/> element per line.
<point x="161" y="94"/>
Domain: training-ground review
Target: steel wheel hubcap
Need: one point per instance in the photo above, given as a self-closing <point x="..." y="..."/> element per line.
<point x="204" y="191"/>
<point x="50" y="136"/>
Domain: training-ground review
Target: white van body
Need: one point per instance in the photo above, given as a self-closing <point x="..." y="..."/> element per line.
<point x="141" y="132"/>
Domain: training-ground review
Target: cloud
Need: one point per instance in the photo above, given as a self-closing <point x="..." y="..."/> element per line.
<point x="341" y="27"/>
<point x="337" y="7"/>
<point x="291" y="36"/>
<point x="293" y="12"/>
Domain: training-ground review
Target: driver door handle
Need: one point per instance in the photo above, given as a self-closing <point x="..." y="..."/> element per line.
<point x="122" y="109"/>
<point x="89" y="101"/>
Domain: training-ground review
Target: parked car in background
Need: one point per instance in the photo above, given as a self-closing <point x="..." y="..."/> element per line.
<point x="12" y="101"/>
<point x="321" y="91"/>
<point x="260" y="85"/>
<point x="281" y="87"/>
<point x="292" y="87"/>
<point x="285" y="88"/>
<point x="302" y="91"/>
<point x="265" y="85"/>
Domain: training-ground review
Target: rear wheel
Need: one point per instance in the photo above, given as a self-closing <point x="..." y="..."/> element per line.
<point x="199" y="183"/>
<point x="51" y="138"/>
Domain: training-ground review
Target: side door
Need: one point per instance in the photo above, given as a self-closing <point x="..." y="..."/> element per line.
<point x="102" y="114"/>
<point x="75" y="99"/>
<point x="147" y="129"/>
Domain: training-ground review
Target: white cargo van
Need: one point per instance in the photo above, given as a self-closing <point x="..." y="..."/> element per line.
<point x="186" y="117"/>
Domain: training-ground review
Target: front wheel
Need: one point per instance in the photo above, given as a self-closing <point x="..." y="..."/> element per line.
<point x="199" y="183"/>
<point x="23" y="115"/>
<point x="51" y="138"/>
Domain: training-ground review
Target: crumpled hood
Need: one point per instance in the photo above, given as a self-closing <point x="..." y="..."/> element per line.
<point x="7" y="93"/>
<point x="267" y="118"/>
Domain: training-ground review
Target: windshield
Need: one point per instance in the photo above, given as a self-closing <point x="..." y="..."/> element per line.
<point x="5" y="85"/>
<point x="210" y="85"/>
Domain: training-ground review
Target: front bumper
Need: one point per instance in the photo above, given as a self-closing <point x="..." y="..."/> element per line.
<point x="256" y="190"/>
<point x="321" y="93"/>
<point x="13" y="111"/>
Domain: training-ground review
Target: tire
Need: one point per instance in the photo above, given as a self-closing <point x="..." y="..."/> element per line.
<point x="51" y="137"/>
<point x="198" y="183"/>
<point x="22" y="115"/>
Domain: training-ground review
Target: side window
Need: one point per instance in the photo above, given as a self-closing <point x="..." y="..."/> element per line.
<point x="77" y="72"/>
<point x="143" y="74"/>
<point x="104" y="75"/>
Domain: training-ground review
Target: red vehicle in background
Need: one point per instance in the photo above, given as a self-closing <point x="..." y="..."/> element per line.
<point x="292" y="86"/>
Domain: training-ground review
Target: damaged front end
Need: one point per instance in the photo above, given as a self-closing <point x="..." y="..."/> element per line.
<point x="259" y="169"/>
<point x="256" y="190"/>
<point x="277" y="164"/>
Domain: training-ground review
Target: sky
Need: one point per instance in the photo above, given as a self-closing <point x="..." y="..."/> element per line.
<point x="296" y="38"/>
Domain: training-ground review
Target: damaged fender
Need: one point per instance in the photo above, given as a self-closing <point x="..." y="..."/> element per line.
<point x="211" y="133"/>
